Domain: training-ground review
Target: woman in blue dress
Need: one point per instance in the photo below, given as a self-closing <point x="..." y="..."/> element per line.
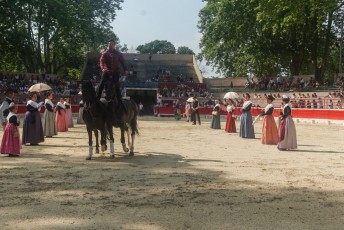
<point x="32" y="126"/>
<point x="215" y="122"/>
<point x="246" y="126"/>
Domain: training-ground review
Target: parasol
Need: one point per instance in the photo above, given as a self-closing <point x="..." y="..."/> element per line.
<point x="231" y="95"/>
<point x="39" y="87"/>
<point x="190" y="99"/>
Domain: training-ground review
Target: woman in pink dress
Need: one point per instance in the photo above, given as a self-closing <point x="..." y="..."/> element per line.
<point x="230" y="122"/>
<point x="61" y="122"/>
<point x="10" y="143"/>
<point x="269" y="130"/>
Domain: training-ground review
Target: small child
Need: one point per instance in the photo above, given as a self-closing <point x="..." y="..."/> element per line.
<point x="11" y="139"/>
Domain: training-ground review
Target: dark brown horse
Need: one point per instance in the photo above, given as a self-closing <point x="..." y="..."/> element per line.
<point x="94" y="116"/>
<point x="124" y="116"/>
<point x="105" y="116"/>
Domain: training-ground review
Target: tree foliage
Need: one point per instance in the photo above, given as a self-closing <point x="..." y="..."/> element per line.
<point x="184" y="50"/>
<point x="51" y="36"/>
<point x="157" y="47"/>
<point x="263" y="37"/>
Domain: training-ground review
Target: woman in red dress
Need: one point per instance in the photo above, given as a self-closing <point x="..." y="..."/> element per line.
<point x="61" y="122"/>
<point x="230" y="122"/>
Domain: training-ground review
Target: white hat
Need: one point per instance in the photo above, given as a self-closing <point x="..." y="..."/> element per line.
<point x="11" y="105"/>
<point x="285" y="96"/>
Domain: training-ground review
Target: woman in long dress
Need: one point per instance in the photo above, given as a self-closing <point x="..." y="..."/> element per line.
<point x="10" y="143"/>
<point x="215" y="122"/>
<point x="269" y="130"/>
<point x="60" y="118"/>
<point x="69" y="115"/>
<point x="49" y="123"/>
<point x="32" y="125"/>
<point x="80" y="119"/>
<point x="287" y="130"/>
<point x="230" y="122"/>
<point x="246" y="126"/>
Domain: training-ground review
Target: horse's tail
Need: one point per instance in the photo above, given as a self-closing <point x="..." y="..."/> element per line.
<point x="134" y="127"/>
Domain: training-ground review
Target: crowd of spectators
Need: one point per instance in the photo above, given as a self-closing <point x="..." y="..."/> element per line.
<point x="22" y="82"/>
<point x="162" y="73"/>
<point x="283" y="84"/>
<point x="333" y="100"/>
<point x="184" y="91"/>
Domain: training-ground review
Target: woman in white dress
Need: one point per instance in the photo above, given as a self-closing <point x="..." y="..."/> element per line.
<point x="287" y="131"/>
<point x="69" y="115"/>
<point x="49" y="123"/>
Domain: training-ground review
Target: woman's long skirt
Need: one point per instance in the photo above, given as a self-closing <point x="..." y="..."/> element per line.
<point x="269" y="131"/>
<point x="230" y="124"/>
<point x="32" y="128"/>
<point x="80" y="120"/>
<point x="287" y="134"/>
<point x="246" y="126"/>
<point x="10" y="143"/>
<point x="61" y="122"/>
<point x="215" y="122"/>
<point x="69" y="118"/>
<point x="49" y="124"/>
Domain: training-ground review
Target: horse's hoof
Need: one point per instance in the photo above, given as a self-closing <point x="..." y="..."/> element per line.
<point x="112" y="156"/>
<point x="126" y="150"/>
<point x="131" y="154"/>
<point x="88" y="158"/>
<point x="97" y="150"/>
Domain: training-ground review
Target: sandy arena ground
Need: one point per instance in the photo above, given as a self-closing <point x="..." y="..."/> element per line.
<point x="181" y="177"/>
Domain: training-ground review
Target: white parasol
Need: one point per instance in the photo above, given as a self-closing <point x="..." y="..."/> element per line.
<point x="190" y="99"/>
<point x="231" y="95"/>
<point x="39" y="87"/>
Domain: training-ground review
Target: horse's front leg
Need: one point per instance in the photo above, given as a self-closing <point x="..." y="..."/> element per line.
<point x="90" y="149"/>
<point x="112" y="145"/>
<point x="125" y="149"/>
<point x="97" y="139"/>
<point x="103" y="140"/>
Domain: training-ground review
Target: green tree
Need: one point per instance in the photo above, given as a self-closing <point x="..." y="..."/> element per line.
<point x="157" y="47"/>
<point x="184" y="50"/>
<point x="52" y="35"/>
<point x="264" y="36"/>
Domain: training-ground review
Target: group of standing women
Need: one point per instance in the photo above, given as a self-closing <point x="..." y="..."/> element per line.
<point x="55" y="119"/>
<point x="284" y="137"/>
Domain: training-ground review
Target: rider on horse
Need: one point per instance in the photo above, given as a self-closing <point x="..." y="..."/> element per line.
<point x="111" y="61"/>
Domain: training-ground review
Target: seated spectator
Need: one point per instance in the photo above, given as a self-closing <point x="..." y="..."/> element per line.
<point x="320" y="103"/>
<point x="308" y="106"/>
<point x="339" y="104"/>
<point x="330" y="104"/>
<point x="314" y="104"/>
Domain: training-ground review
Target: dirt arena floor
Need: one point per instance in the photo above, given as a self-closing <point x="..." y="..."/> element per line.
<point x="181" y="177"/>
